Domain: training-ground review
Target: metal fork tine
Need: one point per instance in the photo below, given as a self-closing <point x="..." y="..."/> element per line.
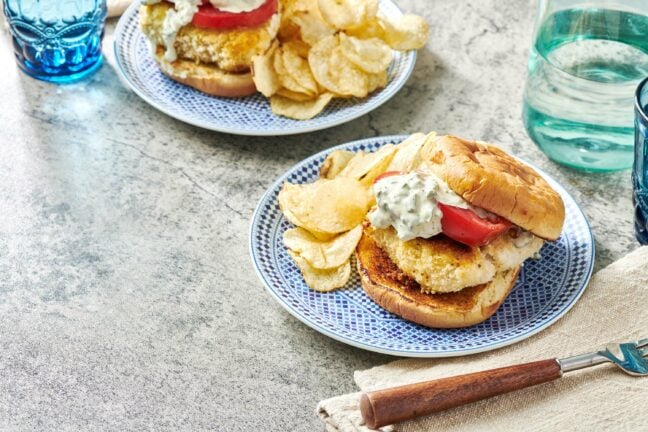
<point x="642" y="343"/>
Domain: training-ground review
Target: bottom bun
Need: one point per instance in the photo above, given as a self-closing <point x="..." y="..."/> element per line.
<point x="396" y="292"/>
<point x="208" y="79"/>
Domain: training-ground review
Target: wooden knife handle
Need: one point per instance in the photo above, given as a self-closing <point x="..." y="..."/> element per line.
<point x="393" y="405"/>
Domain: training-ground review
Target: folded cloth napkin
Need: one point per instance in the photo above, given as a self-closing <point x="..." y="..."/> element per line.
<point x="117" y="7"/>
<point x="613" y="308"/>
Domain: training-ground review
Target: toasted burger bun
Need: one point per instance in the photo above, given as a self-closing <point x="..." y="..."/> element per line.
<point x="206" y="78"/>
<point x="391" y="289"/>
<point x="486" y="177"/>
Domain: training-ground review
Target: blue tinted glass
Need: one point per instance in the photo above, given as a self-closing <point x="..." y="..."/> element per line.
<point x="57" y="41"/>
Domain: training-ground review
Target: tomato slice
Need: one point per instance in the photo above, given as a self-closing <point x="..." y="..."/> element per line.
<point x="386" y="174"/>
<point x="210" y="17"/>
<point x="465" y="226"/>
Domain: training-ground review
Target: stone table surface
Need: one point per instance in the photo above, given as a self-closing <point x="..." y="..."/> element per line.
<point x="127" y="296"/>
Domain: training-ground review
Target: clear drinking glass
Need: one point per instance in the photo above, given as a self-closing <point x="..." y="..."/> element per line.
<point x="585" y="62"/>
<point x="640" y="170"/>
<point x="57" y="40"/>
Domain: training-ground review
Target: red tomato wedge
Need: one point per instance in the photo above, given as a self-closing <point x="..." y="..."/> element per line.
<point x="465" y="226"/>
<point x="387" y="174"/>
<point x="210" y="17"/>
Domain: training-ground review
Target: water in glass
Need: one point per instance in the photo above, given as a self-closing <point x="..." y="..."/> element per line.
<point x="584" y="66"/>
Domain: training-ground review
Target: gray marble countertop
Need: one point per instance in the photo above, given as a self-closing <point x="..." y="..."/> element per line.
<point x="127" y="296"/>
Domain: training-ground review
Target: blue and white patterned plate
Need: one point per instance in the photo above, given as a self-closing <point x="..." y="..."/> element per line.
<point x="242" y="116"/>
<point x="545" y="290"/>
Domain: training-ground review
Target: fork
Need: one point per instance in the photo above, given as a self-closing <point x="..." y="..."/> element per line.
<point x="384" y="407"/>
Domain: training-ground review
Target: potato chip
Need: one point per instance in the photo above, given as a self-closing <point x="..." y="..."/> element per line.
<point x="376" y="81"/>
<point x="297" y="66"/>
<point x="322" y="280"/>
<point x="288" y="94"/>
<point x="298" y="47"/>
<point x="407" y="155"/>
<point x="322" y="254"/>
<point x="290" y="216"/>
<point x="299" y="110"/>
<point x="325" y="206"/>
<point x="343" y="14"/>
<point x="370" y="10"/>
<point x="286" y="78"/>
<point x="335" y="162"/>
<point x="312" y="26"/>
<point x="371" y="55"/>
<point x="372" y="28"/>
<point x="263" y="73"/>
<point x="406" y="32"/>
<point x="365" y="167"/>
<point x="334" y="71"/>
<point x="288" y="29"/>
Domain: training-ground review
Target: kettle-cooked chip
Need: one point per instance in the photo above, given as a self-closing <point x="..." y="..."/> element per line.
<point x="365" y="167"/>
<point x="322" y="254"/>
<point x="289" y="94"/>
<point x="406" y="32"/>
<point x="344" y="14"/>
<point x="376" y="81"/>
<point x="372" y="28"/>
<point x="323" y="280"/>
<point x="326" y="206"/>
<point x="295" y="62"/>
<point x="299" y="110"/>
<point x="263" y="72"/>
<point x="285" y="78"/>
<point x="334" y="71"/>
<point x="312" y="26"/>
<point x="335" y="162"/>
<point x="407" y="155"/>
<point x="371" y="55"/>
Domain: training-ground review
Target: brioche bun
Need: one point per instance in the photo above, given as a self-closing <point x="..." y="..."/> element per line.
<point x="206" y="78"/>
<point x="394" y="291"/>
<point x="488" y="178"/>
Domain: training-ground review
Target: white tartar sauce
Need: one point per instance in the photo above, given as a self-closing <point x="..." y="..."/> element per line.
<point x="236" y="6"/>
<point x="408" y="202"/>
<point x="175" y="19"/>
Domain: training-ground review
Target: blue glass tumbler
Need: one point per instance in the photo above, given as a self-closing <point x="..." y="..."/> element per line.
<point x="640" y="169"/>
<point x="57" y="40"/>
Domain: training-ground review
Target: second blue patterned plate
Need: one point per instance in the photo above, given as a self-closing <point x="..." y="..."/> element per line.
<point x="545" y="290"/>
<point x="249" y="115"/>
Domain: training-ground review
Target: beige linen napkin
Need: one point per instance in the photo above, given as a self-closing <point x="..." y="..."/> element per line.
<point x="117" y="7"/>
<point x="613" y="308"/>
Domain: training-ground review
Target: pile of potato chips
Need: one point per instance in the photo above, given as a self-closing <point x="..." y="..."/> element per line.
<point x="331" y="48"/>
<point x="329" y="212"/>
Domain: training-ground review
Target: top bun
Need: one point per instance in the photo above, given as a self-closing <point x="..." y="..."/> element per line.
<point x="486" y="177"/>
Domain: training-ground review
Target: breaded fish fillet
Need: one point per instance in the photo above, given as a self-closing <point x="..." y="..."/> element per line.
<point x="442" y="265"/>
<point x="388" y="286"/>
<point x="231" y="50"/>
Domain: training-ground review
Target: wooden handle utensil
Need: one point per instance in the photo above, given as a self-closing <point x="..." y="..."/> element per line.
<point x="384" y="407"/>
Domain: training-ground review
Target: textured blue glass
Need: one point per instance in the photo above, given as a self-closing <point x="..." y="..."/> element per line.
<point x="57" y="40"/>
<point x="640" y="170"/>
